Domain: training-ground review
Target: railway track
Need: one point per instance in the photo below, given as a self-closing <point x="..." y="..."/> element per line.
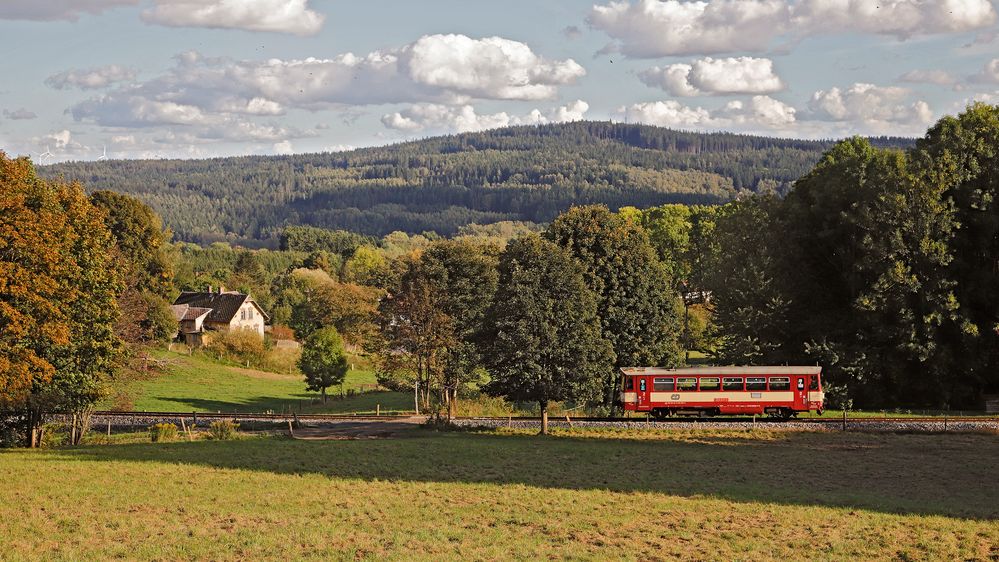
<point x="265" y="416"/>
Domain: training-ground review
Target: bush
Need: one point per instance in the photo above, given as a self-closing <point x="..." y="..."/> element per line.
<point x="244" y="346"/>
<point x="223" y="430"/>
<point x="162" y="432"/>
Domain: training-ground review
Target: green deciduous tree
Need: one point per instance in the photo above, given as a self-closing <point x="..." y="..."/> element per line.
<point x="636" y="301"/>
<point x="542" y="337"/>
<point x="323" y="361"/>
<point x="748" y="299"/>
<point x="430" y="323"/>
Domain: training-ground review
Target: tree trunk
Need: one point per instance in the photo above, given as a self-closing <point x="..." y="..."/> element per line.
<point x="324" y="394"/>
<point x="452" y="398"/>
<point x="544" y="417"/>
<point x="416" y="395"/>
<point x="686" y="330"/>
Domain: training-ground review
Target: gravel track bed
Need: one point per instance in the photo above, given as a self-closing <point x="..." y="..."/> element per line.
<point x="132" y="422"/>
<point x="874" y="426"/>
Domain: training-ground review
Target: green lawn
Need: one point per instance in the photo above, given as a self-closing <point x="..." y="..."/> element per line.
<point x="195" y="383"/>
<point x="489" y="496"/>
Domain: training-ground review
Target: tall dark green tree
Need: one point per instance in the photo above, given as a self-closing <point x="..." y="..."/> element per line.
<point x="747" y="296"/>
<point x="962" y="153"/>
<point x="636" y="301"/>
<point x="542" y="338"/>
<point x="868" y="249"/>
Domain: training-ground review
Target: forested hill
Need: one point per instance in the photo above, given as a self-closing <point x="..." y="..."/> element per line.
<point x="528" y="173"/>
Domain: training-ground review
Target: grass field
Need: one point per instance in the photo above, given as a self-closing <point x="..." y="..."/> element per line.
<point x="487" y="496"/>
<point x="194" y="383"/>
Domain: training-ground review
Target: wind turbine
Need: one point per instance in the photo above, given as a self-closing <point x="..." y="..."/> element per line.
<point x="105" y="155"/>
<point x="46" y="155"/>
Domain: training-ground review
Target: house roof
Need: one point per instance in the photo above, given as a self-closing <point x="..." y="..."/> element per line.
<point x="186" y="312"/>
<point x="223" y="306"/>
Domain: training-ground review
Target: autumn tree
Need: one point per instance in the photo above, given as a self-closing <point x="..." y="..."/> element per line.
<point x="414" y="330"/>
<point x="542" y="336"/>
<point x="58" y="290"/>
<point x="314" y="299"/>
<point x="140" y="244"/>
<point x="323" y="360"/>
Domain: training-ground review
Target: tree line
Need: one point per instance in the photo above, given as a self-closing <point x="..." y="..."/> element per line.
<point x="528" y="174"/>
<point x="881" y="265"/>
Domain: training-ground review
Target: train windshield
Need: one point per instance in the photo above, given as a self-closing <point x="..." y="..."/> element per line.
<point x="814" y="384"/>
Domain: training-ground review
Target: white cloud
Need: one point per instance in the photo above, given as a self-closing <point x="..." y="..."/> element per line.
<point x="900" y="18"/>
<point x="989" y="73"/>
<point x="19" y="114"/>
<point x="281" y="16"/>
<point x="867" y="103"/>
<point x="49" y="10"/>
<point x="655" y="28"/>
<point x="742" y="75"/>
<point x="283" y="147"/>
<point x="939" y="77"/>
<point x="673" y="79"/>
<point x="91" y="78"/>
<point x="761" y="110"/>
<point x="448" y="69"/>
<point x="463" y="119"/>
<point x="670" y="113"/>
<point x="492" y="67"/>
<point x="760" y="113"/>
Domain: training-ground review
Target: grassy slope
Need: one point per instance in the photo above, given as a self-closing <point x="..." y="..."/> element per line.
<point x="194" y="383"/>
<point x="718" y="496"/>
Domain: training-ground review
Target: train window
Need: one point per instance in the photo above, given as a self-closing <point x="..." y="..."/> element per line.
<point x="814" y="384"/>
<point x="801" y="383"/>
<point x="686" y="384"/>
<point x="641" y="385"/>
<point x="780" y="383"/>
<point x="662" y="385"/>
<point x="754" y="383"/>
<point x="629" y="383"/>
<point x="710" y="383"/>
<point x="732" y="383"/>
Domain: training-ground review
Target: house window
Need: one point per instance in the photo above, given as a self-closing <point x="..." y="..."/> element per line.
<point x="242" y="314"/>
<point x="249" y="313"/>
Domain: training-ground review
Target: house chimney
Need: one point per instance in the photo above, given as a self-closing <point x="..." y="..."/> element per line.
<point x="221" y="289"/>
<point x="209" y="288"/>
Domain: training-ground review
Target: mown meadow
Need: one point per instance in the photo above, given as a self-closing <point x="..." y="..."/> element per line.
<point x="697" y="495"/>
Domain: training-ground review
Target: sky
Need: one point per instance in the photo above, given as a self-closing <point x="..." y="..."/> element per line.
<point x="88" y="79"/>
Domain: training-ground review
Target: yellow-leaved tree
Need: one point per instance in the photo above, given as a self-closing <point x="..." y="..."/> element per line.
<point x="58" y="290"/>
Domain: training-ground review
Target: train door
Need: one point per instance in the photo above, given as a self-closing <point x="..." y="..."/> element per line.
<point x="644" y="393"/>
<point x="800" y="393"/>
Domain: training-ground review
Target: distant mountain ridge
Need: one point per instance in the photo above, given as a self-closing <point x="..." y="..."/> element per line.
<point x="527" y="173"/>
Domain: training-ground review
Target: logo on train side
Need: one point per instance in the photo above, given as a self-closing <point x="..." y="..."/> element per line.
<point x="674" y="397"/>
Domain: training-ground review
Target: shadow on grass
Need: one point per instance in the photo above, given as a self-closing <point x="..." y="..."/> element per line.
<point x="299" y="403"/>
<point x="904" y="474"/>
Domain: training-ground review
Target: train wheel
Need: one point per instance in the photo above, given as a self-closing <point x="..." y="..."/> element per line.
<point x="782" y="414"/>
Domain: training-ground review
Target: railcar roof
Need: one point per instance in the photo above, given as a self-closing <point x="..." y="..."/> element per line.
<point x="755" y="370"/>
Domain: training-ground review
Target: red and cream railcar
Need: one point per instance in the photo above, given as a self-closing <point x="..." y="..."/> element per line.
<point x="778" y="391"/>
